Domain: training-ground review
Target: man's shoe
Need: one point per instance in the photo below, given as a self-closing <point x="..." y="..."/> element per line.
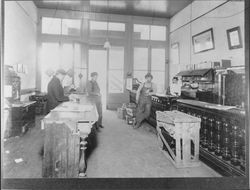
<point x="101" y="126"/>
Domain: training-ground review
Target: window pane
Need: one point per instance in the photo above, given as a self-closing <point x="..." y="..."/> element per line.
<point x="158" y="59"/>
<point x="115" y="81"/>
<point x="77" y="57"/>
<point x="51" y="25"/>
<point x="80" y="79"/>
<point x="141" y="32"/>
<point x="67" y="57"/>
<point x="140" y="75"/>
<point x="116" y="58"/>
<point x="141" y="59"/>
<point x="112" y="26"/>
<point x="158" y="33"/>
<point x="159" y="80"/>
<point x="50" y="60"/>
<point x="98" y="25"/>
<point x="71" y="27"/>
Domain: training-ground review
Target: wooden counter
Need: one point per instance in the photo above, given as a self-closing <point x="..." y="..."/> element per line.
<point x="222" y="135"/>
<point x="66" y="131"/>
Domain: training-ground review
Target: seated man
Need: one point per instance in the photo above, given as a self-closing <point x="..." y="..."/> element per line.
<point x="55" y="90"/>
<point x="175" y="87"/>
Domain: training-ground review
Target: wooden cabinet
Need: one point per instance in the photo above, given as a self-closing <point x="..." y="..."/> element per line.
<point x="222" y="136"/>
<point x="21" y="117"/>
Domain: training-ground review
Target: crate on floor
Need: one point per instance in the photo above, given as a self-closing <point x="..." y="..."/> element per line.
<point x="130" y="120"/>
<point x="131" y="111"/>
<point x="121" y="113"/>
<point x="178" y="135"/>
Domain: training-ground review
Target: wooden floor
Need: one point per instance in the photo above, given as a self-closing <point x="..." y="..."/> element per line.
<point x="121" y="152"/>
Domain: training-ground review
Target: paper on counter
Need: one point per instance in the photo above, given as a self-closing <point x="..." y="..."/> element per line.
<point x="18" y="160"/>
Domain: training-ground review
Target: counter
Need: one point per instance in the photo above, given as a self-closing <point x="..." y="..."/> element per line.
<point x="67" y="128"/>
<point x="222" y="135"/>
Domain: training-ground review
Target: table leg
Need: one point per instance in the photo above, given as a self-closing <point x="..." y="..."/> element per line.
<point x="82" y="163"/>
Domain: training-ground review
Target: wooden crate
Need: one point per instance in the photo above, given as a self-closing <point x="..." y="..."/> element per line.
<point x="178" y="135"/>
<point x="61" y="152"/>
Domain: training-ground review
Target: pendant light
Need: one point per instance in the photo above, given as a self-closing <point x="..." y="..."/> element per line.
<point x="107" y="44"/>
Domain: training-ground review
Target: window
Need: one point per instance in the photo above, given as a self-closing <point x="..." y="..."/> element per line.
<point x="158" y="33"/>
<point x="140" y="63"/>
<point x="99" y="29"/>
<point x="158" y="67"/>
<point x="67" y="57"/>
<point x="116" y="64"/>
<point x="50" y="60"/>
<point x="61" y="26"/>
<point x="141" y="32"/>
<point x="51" y="25"/>
<point x="71" y="27"/>
<point x="149" y="32"/>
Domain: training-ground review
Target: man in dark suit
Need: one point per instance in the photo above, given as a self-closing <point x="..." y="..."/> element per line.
<point x="94" y="94"/>
<point x="55" y="90"/>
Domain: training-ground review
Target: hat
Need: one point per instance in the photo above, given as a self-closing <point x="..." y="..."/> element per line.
<point x="93" y="74"/>
<point x="148" y="75"/>
<point x="61" y="71"/>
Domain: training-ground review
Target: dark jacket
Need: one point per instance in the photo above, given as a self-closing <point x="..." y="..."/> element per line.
<point x="55" y="93"/>
<point x="93" y="91"/>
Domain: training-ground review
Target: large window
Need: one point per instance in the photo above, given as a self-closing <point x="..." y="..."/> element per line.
<point x="59" y="26"/>
<point x="116" y="72"/>
<point x="66" y="56"/>
<point x="140" y="63"/>
<point x="158" y="67"/>
<point x="149" y="32"/>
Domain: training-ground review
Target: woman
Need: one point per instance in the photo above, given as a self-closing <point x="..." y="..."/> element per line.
<point x="143" y="100"/>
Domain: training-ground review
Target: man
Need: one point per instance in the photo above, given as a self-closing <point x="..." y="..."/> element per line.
<point x="144" y="101"/>
<point x="55" y="90"/>
<point x="68" y="85"/>
<point x="94" y="94"/>
<point x="175" y="87"/>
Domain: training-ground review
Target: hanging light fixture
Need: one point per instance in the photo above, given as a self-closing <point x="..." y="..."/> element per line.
<point x="107" y="44"/>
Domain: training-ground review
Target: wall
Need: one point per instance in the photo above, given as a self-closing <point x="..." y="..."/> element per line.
<point x="227" y="16"/>
<point x="20" y="41"/>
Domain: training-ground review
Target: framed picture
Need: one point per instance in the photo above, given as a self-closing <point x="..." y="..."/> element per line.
<point x="234" y="38"/>
<point x="203" y="41"/>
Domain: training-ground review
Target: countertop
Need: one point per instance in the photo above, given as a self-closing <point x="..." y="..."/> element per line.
<point x="229" y="109"/>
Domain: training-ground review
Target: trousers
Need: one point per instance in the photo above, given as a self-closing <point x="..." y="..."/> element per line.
<point x="143" y="108"/>
<point x="97" y="100"/>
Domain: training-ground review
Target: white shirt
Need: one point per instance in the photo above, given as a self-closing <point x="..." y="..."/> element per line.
<point x="175" y="88"/>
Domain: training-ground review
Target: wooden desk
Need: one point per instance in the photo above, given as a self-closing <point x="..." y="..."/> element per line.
<point x="66" y="130"/>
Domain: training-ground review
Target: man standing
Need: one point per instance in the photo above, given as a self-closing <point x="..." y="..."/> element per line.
<point x="55" y="90"/>
<point x="94" y="94"/>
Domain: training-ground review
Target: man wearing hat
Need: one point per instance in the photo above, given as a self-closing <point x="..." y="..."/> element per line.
<point x="143" y="100"/>
<point x="55" y="90"/>
<point x="94" y="94"/>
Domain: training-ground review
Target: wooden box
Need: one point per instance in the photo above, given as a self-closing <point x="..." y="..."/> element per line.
<point x="178" y="134"/>
<point x="121" y="113"/>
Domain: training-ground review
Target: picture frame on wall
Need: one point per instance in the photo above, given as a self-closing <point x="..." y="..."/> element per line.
<point x="234" y="38"/>
<point x="203" y="41"/>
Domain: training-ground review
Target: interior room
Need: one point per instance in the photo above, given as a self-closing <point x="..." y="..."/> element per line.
<point x="124" y="89"/>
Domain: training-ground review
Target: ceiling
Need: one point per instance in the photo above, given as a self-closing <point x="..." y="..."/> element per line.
<point x="151" y="8"/>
